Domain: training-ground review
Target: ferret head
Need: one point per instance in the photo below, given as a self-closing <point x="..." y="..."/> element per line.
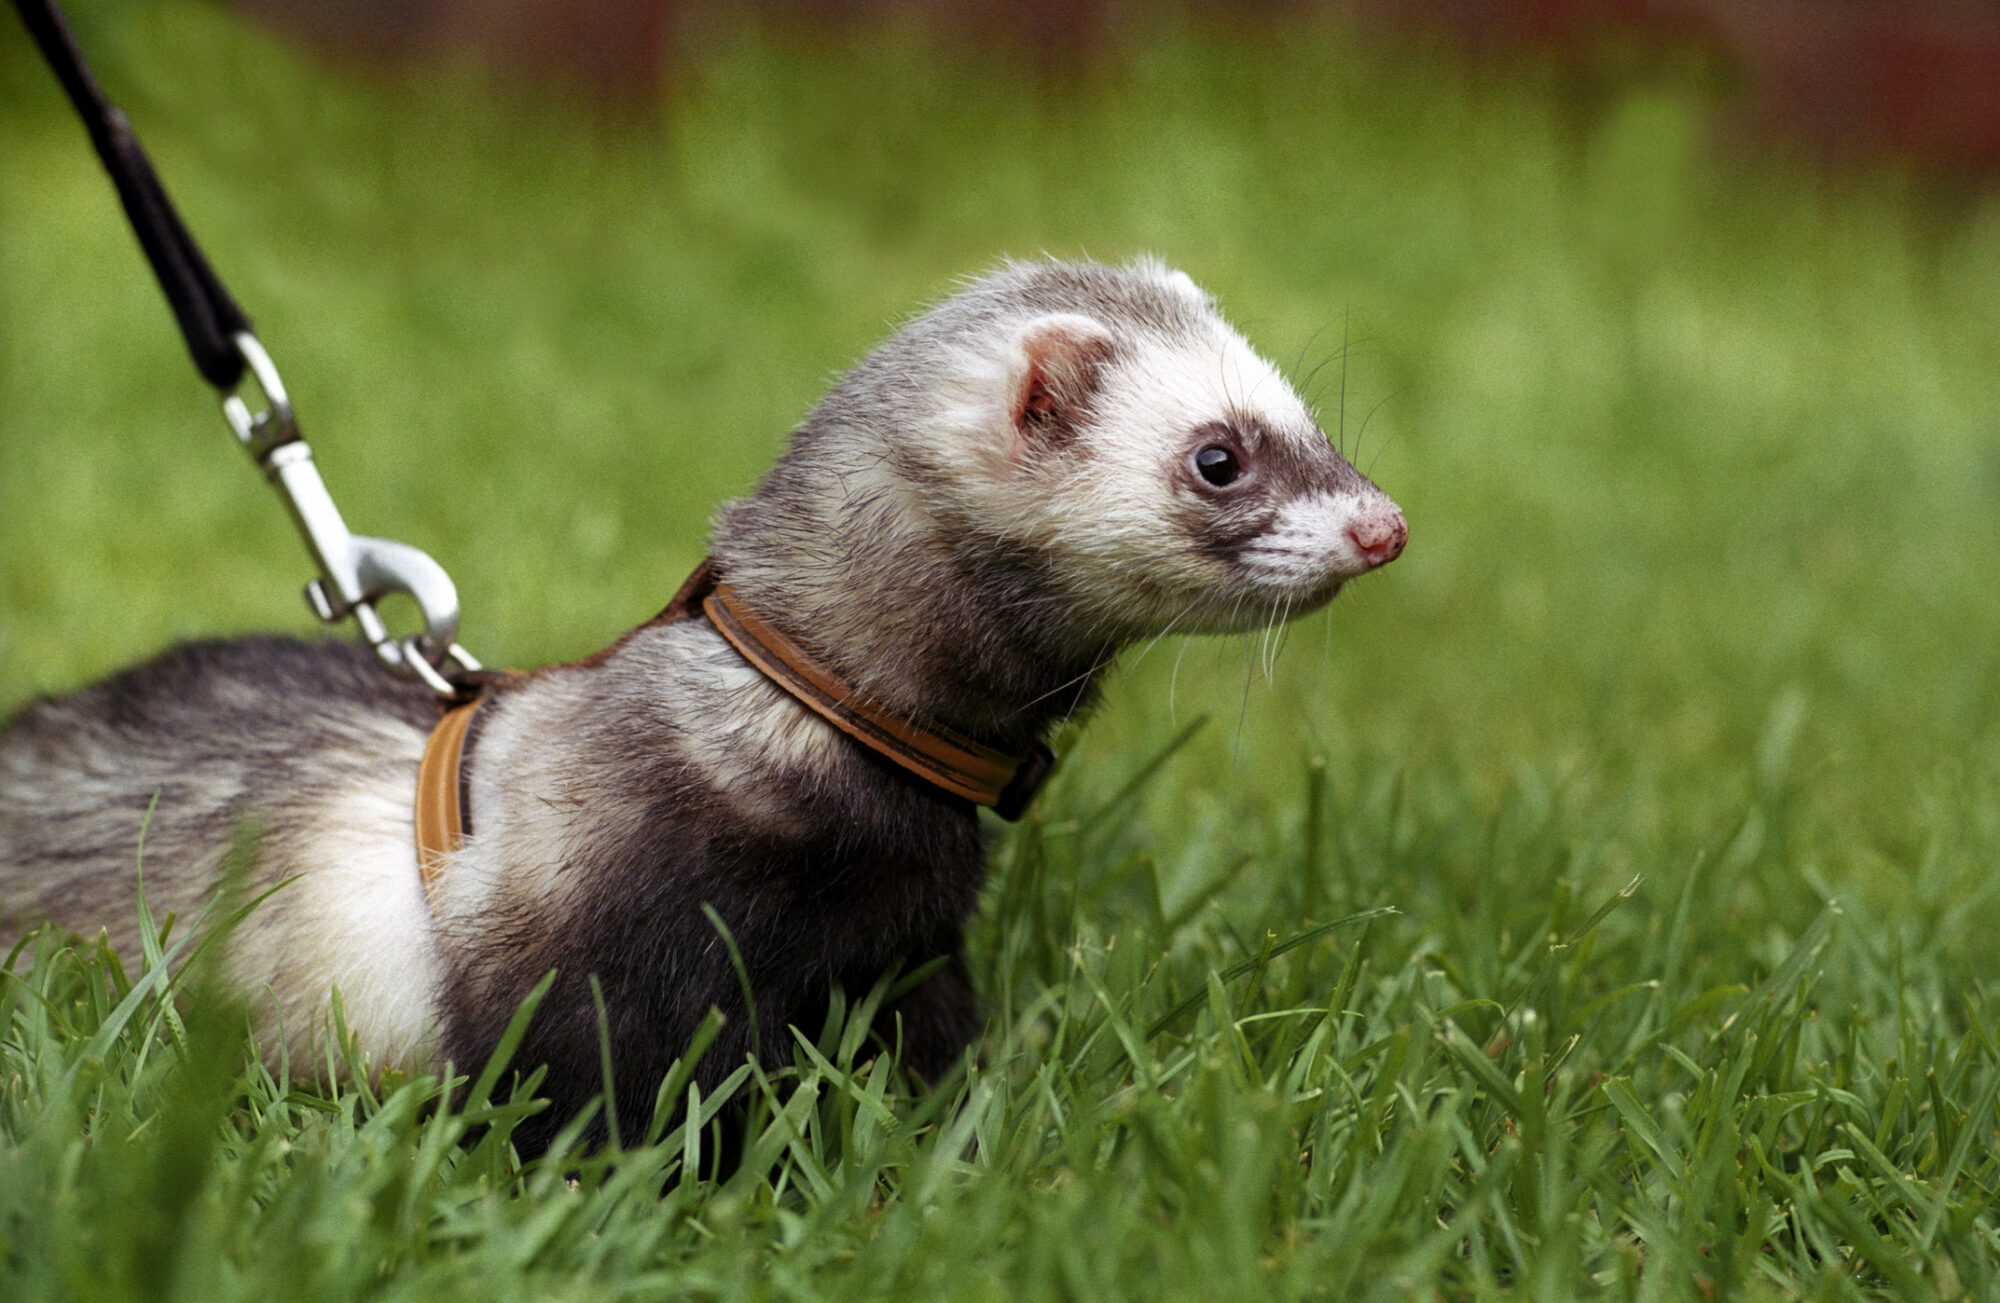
<point x="1111" y="423"/>
<point x="1057" y="460"/>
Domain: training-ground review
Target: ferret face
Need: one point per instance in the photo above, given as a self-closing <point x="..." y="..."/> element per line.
<point x="1090" y="447"/>
<point x="1172" y="474"/>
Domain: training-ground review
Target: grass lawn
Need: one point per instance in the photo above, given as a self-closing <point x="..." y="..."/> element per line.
<point x="1601" y="902"/>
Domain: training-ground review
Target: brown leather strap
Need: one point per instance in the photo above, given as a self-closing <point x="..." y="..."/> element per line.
<point x="939" y="756"/>
<point x="440" y="800"/>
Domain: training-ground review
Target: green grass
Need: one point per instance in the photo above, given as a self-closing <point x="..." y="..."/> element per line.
<point x="1701" y="454"/>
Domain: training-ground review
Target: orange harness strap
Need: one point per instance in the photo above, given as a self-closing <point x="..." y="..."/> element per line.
<point x="440" y="813"/>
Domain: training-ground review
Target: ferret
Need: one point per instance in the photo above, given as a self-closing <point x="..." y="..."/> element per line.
<point x="1056" y="461"/>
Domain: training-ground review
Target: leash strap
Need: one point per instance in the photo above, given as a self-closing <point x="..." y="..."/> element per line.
<point x="355" y="571"/>
<point x="209" y="319"/>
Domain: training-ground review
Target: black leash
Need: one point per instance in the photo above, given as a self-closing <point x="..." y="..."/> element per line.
<point x="209" y="319"/>
<point x="355" y="572"/>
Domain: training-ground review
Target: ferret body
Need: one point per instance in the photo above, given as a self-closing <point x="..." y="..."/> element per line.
<point x="1060" y="459"/>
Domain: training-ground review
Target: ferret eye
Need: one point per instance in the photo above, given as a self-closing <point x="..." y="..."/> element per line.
<point x="1217" y="465"/>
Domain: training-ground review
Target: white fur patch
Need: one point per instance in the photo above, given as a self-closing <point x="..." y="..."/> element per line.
<point x="742" y="728"/>
<point x="356" y="919"/>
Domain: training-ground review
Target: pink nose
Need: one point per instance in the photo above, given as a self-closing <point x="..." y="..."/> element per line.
<point x="1379" y="536"/>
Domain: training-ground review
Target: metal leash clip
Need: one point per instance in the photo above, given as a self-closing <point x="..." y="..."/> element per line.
<point x="356" y="572"/>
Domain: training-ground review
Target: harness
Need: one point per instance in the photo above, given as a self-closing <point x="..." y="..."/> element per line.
<point x="954" y="764"/>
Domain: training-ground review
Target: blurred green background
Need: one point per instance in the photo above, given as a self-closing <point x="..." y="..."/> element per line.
<point x="1697" y="431"/>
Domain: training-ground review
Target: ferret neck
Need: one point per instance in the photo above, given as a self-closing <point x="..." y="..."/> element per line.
<point x="965" y="644"/>
<point x="941" y="757"/>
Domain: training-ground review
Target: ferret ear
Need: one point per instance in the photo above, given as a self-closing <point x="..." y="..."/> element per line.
<point x="1059" y="364"/>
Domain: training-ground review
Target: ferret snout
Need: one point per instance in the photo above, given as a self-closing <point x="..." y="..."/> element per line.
<point x="1379" y="534"/>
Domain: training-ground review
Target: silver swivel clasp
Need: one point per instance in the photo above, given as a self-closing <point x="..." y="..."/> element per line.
<point x="355" y="572"/>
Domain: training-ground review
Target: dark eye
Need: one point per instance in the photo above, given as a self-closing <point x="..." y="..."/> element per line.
<point x="1217" y="465"/>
